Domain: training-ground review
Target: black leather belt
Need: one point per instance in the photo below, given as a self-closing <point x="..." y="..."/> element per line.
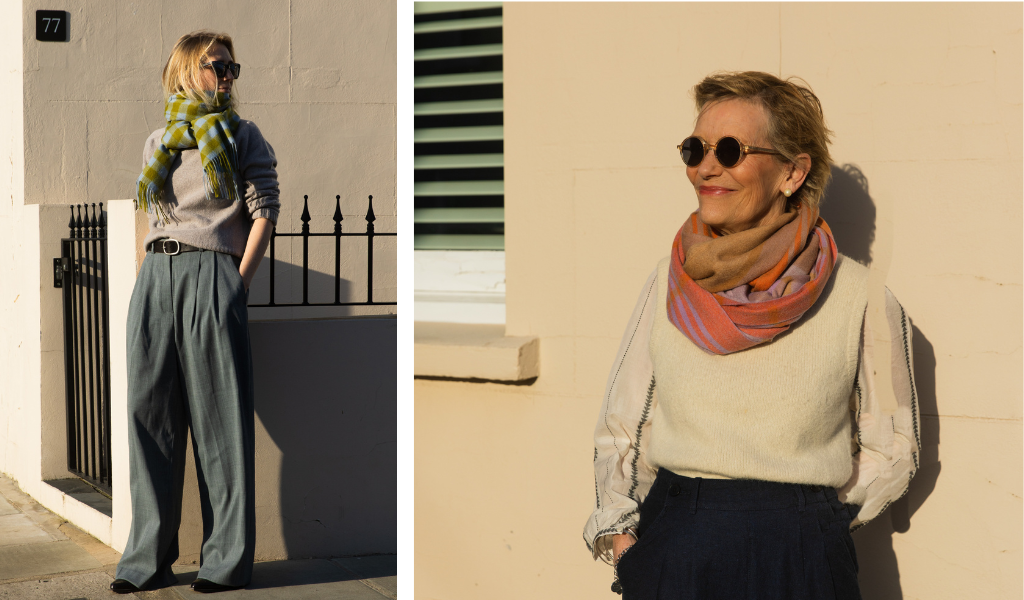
<point x="171" y="247"/>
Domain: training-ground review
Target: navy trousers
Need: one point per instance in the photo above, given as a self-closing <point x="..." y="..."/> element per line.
<point x="189" y="367"/>
<point x="739" y="539"/>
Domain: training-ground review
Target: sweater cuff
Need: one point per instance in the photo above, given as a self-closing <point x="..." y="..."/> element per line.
<point x="266" y="213"/>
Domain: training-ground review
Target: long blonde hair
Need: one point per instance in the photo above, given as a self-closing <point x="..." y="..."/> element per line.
<point x="183" y="73"/>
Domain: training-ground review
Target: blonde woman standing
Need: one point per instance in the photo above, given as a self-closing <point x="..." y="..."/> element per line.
<point x="209" y="184"/>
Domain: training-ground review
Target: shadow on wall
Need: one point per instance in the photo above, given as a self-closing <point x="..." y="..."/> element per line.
<point x="325" y="401"/>
<point x="288" y="285"/>
<point x="850" y="212"/>
<point x="326" y="395"/>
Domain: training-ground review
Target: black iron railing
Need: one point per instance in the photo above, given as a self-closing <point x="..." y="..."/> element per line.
<point x="81" y="273"/>
<point x="305" y="234"/>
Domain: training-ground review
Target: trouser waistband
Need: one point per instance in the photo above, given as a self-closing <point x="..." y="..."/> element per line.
<point x="741" y="494"/>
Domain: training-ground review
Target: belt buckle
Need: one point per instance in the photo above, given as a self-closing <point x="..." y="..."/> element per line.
<point x="177" y="247"/>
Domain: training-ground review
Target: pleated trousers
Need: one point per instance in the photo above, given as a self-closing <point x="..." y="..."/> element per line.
<point x="190" y="367"/>
<point x="727" y="539"/>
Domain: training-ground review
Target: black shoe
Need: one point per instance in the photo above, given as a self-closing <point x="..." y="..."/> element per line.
<point x="122" y="586"/>
<point x="208" y="587"/>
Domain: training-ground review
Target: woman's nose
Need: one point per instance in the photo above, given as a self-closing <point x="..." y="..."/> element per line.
<point x="710" y="165"/>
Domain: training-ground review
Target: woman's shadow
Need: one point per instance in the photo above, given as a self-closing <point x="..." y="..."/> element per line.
<point x="850" y="213"/>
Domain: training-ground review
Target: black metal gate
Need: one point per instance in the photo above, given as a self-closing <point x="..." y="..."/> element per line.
<point x="81" y="272"/>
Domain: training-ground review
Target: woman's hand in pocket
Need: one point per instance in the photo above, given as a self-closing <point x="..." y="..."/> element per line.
<point x="620" y="543"/>
<point x="255" y="247"/>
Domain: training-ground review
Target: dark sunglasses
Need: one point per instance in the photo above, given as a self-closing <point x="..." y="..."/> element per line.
<point x="222" y="68"/>
<point x="729" y="151"/>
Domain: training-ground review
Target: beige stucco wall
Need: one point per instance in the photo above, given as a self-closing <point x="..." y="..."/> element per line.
<point x="318" y="78"/>
<point x="926" y="103"/>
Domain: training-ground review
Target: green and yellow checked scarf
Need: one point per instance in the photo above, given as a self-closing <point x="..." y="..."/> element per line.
<point x="192" y="124"/>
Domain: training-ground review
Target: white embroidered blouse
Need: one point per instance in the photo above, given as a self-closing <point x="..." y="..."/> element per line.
<point x="884" y="447"/>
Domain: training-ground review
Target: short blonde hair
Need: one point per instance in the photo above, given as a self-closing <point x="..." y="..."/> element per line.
<point x="183" y="73"/>
<point x="796" y="123"/>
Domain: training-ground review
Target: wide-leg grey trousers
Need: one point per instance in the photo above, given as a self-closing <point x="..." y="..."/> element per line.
<point x="189" y="366"/>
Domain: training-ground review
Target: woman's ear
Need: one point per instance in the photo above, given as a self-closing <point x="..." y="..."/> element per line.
<point x="798" y="170"/>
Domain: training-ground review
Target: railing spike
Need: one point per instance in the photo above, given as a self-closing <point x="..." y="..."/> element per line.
<point x="93" y="224"/>
<point x="78" y="221"/>
<point x="369" y="213"/>
<point x="71" y="222"/>
<point x="370" y="218"/>
<point x="305" y="218"/>
<point x="338" y="218"/>
<point x="102" y="222"/>
<point x="305" y="250"/>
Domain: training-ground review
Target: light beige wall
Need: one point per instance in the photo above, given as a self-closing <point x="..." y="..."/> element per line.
<point x="11" y="192"/>
<point x="123" y="271"/>
<point x="925" y="100"/>
<point x="318" y="78"/>
<point x="325" y="441"/>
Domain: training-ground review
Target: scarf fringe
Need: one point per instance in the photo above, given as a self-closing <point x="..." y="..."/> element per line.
<point x="149" y="199"/>
<point x="220" y="179"/>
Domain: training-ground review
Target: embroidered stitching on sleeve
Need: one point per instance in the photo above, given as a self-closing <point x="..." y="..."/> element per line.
<point x="639" y="432"/>
<point x="913" y="384"/>
<point x="860" y="407"/>
<point x="625" y="353"/>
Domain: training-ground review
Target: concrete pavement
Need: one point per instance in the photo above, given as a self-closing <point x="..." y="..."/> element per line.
<point x="43" y="557"/>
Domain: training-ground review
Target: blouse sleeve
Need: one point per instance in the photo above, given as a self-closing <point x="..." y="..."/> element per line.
<point x="622" y="475"/>
<point x="886" y="442"/>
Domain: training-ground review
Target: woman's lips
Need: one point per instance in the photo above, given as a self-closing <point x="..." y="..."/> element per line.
<point x="711" y="190"/>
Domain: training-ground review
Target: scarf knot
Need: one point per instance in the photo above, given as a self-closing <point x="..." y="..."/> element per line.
<point x="729" y="293"/>
<point x="208" y="126"/>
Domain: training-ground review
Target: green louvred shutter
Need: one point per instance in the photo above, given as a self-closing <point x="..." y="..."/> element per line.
<point x="459" y="134"/>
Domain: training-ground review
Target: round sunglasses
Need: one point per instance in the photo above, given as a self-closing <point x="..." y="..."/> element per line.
<point x="222" y="68"/>
<point x="729" y="151"/>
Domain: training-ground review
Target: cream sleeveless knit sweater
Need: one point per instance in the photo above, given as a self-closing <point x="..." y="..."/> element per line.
<point x="776" y="412"/>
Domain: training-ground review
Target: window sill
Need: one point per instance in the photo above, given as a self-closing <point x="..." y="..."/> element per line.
<point x="478" y="352"/>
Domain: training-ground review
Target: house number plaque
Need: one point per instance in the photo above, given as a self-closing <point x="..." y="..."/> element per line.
<point x="52" y="25"/>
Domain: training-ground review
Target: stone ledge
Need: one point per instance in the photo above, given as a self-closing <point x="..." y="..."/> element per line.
<point x="478" y="352"/>
<point x="80" y="514"/>
<point x="84" y="493"/>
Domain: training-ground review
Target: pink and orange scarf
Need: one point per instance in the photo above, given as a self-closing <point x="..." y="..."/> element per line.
<point x="729" y="293"/>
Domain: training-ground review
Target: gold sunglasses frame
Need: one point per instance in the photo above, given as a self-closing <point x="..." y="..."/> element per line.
<point x="744" y="150"/>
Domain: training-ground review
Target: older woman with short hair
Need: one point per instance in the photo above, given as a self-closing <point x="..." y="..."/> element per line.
<point x="209" y="184"/>
<point x="742" y="434"/>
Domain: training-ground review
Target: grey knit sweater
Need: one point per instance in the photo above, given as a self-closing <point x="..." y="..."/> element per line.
<point x="217" y="224"/>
